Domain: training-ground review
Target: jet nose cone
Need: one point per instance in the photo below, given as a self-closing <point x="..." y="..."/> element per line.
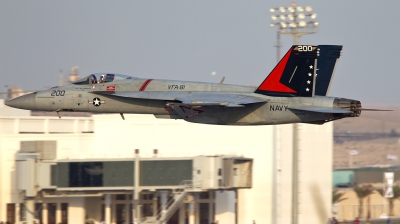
<point x="27" y="102"/>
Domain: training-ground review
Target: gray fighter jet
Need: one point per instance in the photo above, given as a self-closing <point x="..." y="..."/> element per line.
<point x="294" y="92"/>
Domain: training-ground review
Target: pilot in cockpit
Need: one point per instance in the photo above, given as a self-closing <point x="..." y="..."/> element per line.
<point x="102" y="78"/>
<point x="94" y="80"/>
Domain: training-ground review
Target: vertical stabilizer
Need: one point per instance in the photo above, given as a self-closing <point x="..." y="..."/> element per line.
<point x="294" y="74"/>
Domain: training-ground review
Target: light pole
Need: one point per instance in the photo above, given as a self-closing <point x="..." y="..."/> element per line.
<point x="351" y="154"/>
<point x="294" y="21"/>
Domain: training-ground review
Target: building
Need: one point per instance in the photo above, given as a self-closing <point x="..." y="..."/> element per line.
<point x="375" y="205"/>
<point x="109" y="139"/>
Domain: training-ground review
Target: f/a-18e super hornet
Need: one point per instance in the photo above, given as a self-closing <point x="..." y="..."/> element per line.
<point x="294" y="92"/>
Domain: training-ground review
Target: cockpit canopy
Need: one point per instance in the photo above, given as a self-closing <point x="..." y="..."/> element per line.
<point x="101" y="78"/>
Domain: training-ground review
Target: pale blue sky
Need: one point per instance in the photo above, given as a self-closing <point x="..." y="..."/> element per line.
<point x="190" y="39"/>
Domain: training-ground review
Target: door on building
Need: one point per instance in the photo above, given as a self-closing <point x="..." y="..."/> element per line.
<point x="121" y="211"/>
<point x="11" y="213"/>
<point x="204" y="213"/>
<point x="174" y="219"/>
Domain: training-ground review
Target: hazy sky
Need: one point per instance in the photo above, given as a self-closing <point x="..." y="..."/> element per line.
<point x="188" y="40"/>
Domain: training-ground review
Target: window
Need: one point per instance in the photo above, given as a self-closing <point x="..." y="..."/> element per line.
<point x="147" y="210"/>
<point x="86" y="174"/>
<point x="11" y="213"/>
<point x="146" y="196"/>
<point x="213" y="211"/>
<point x="204" y="210"/>
<point x="204" y="195"/>
<point x="64" y="213"/>
<point x="235" y="171"/>
<point x="130" y="213"/>
<point x="198" y="171"/>
<point x="103" y="212"/>
<point x="120" y="210"/>
<point x="219" y="172"/>
<point x="22" y="213"/>
<point x="120" y="197"/>
<point x="38" y="212"/>
<point x="51" y="213"/>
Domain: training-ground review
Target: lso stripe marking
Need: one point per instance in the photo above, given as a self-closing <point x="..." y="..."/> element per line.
<point x="145" y="84"/>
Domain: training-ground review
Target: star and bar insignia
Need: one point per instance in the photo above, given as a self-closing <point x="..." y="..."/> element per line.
<point x="96" y="101"/>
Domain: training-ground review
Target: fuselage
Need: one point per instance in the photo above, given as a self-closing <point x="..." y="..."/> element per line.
<point x="101" y="98"/>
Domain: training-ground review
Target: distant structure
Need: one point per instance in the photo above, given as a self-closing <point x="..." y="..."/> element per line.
<point x="74" y="75"/>
<point x="61" y="79"/>
<point x="13" y="92"/>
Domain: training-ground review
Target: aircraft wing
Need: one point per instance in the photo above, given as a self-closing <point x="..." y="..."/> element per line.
<point x="321" y="109"/>
<point x="194" y="98"/>
<point x="219" y="99"/>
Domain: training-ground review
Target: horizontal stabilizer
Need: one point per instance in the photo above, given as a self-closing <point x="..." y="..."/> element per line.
<point x="321" y="109"/>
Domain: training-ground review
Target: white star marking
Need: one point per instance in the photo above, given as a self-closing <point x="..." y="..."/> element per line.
<point x="307" y="89"/>
<point x="96" y="102"/>
<point x="308" y="82"/>
<point x="309" y="74"/>
<point x="311" y="66"/>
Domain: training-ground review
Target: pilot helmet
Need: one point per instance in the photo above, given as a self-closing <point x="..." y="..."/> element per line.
<point x="102" y="77"/>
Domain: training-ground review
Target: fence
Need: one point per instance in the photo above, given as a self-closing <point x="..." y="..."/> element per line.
<point x="349" y="212"/>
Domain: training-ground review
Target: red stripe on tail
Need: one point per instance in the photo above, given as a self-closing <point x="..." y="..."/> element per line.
<point x="271" y="83"/>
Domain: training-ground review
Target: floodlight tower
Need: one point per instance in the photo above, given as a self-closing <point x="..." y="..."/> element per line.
<point x="294" y="21"/>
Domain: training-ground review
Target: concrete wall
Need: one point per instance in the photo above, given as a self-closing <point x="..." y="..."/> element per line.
<point x="316" y="153"/>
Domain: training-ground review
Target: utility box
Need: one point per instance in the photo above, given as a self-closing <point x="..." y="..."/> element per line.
<point x="216" y="172"/>
<point x="237" y="172"/>
<point x="32" y="174"/>
<point x="44" y="174"/>
<point x="46" y="149"/>
<point x="26" y="176"/>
